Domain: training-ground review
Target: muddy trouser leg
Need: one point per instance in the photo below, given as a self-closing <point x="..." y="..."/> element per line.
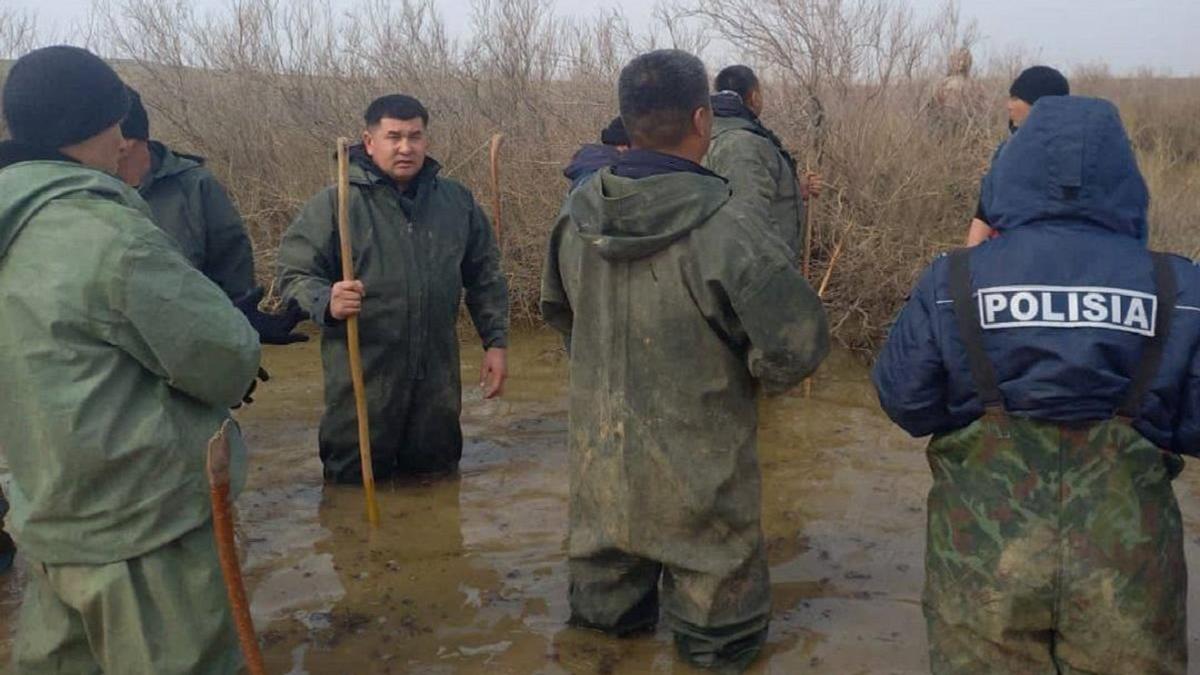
<point x="163" y="613"/>
<point x="1053" y="549"/>
<point x="433" y="440"/>
<point x="720" y="621"/>
<point x="1123" y="607"/>
<point x="991" y="553"/>
<point x="614" y="592"/>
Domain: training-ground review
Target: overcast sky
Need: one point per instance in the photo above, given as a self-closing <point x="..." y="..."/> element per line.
<point x="1127" y="34"/>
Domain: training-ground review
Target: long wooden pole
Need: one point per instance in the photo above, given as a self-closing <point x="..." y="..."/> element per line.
<point x="356" y="369"/>
<point x="497" y="139"/>
<point x="218" y="485"/>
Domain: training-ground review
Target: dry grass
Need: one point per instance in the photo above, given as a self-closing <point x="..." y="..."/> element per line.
<point x="263" y="87"/>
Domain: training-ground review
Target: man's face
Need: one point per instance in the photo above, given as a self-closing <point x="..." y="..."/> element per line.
<point x="1018" y="110"/>
<point x="135" y="160"/>
<point x="398" y="147"/>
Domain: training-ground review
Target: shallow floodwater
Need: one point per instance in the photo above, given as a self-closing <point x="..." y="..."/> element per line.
<point x="467" y="574"/>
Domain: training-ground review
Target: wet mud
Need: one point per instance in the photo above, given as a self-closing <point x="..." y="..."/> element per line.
<point x="466" y="574"/>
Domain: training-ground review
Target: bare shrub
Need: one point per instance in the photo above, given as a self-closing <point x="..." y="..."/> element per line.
<point x="263" y="87"/>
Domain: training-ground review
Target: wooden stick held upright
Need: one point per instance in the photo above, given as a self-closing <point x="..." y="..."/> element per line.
<point x="356" y="369"/>
<point x="218" y="485"/>
<point x="497" y="139"/>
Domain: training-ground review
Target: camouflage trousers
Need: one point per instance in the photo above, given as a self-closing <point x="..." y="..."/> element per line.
<point x="1054" y="549"/>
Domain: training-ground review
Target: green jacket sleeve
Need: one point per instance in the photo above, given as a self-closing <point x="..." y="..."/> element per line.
<point x="181" y="326"/>
<point x="308" y="262"/>
<point x="484" y="282"/>
<point x="780" y="315"/>
<point x="555" y="305"/>
<point x="228" y="255"/>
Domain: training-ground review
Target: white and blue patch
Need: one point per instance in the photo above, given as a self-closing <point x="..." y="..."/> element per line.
<point x="1067" y="307"/>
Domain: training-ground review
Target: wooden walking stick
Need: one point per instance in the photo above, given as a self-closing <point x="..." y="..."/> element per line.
<point x="356" y="369"/>
<point x="497" y="139"/>
<point x="218" y="485"/>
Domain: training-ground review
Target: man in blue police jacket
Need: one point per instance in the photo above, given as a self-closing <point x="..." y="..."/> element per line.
<point x="1054" y="367"/>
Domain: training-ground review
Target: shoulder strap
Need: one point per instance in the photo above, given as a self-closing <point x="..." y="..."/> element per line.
<point x="967" y="313"/>
<point x="1165" y="288"/>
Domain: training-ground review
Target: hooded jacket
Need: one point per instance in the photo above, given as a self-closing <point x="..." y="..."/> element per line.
<point x="118" y="362"/>
<point x="1065" y="294"/>
<point x="678" y="307"/>
<point x="588" y="160"/>
<point x="758" y="168"/>
<point x="189" y="204"/>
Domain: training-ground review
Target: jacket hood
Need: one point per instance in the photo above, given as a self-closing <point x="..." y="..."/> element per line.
<point x="631" y="218"/>
<point x="28" y="185"/>
<point x="589" y="159"/>
<point x="1070" y="162"/>
<point x="166" y="163"/>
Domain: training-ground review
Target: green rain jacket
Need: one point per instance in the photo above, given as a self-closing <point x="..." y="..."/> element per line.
<point x="758" y="172"/>
<point x="118" y="362"/>
<point x="679" y="308"/>
<point x="416" y="253"/>
<point x="189" y="204"/>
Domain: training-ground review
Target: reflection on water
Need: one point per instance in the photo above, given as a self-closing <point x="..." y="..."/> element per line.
<point x="466" y="574"/>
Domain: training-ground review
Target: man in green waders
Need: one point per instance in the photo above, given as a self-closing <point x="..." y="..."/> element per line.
<point x="419" y="241"/>
<point x="679" y="308"/>
<point x="118" y="362"/>
<point x="1056" y="368"/>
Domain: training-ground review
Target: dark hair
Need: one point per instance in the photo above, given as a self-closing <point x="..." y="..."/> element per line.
<point x="738" y="79"/>
<point x="397" y="107"/>
<point x="658" y="93"/>
<point x="614" y="133"/>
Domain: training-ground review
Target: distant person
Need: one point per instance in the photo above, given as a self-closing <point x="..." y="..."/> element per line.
<point x="591" y="157"/>
<point x="118" y="362"/>
<point x="957" y="98"/>
<point x="678" y="308"/>
<point x="189" y="204"/>
<point x="1031" y="85"/>
<point x="421" y="244"/>
<point x="752" y="158"/>
<point x="1056" y="370"/>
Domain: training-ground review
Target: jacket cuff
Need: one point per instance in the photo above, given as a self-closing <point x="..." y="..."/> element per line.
<point x="497" y="341"/>
<point x="320" y="309"/>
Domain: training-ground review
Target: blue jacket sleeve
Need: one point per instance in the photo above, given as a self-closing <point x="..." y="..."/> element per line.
<point x="910" y="376"/>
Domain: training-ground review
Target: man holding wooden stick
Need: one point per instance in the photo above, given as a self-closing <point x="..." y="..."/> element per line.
<point x="418" y="240"/>
<point x="118" y="361"/>
<point x="752" y="158"/>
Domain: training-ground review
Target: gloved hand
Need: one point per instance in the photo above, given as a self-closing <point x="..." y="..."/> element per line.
<point x="248" y="397"/>
<point x="273" y="329"/>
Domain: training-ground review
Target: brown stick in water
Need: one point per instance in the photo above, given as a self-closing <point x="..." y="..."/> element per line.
<point x="218" y="485"/>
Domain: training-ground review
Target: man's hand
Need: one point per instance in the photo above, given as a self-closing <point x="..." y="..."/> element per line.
<point x="978" y="233"/>
<point x="273" y="329"/>
<point x="345" y="300"/>
<point x="810" y="185"/>
<point x="493" y="372"/>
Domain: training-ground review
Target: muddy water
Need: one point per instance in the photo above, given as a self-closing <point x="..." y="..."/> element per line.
<point x="467" y="575"/>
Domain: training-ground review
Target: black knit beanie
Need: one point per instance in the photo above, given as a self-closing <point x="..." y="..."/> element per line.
<point x="614" y="133"/>
<point x="136" y="124"/>
<point x="60" y="96"/>
<point x="1038" y="81"/>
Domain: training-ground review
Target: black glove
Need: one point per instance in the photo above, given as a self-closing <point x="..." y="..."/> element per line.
<point x="248" y="397"/>
<point x="273" y="329"/>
